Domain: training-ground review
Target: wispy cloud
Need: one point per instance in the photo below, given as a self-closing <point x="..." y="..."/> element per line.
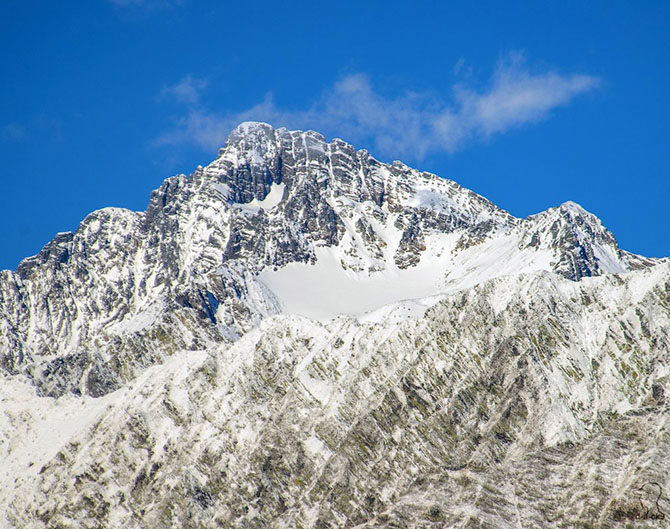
<point x="411" y="125"/>
<point x="14" y="131"/>
<point x="187" y="90"/>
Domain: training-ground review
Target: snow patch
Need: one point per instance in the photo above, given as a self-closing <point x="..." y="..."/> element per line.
<point x="272" y="200"/>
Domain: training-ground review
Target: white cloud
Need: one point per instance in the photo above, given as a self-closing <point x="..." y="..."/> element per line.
<point x="187" y="90"/>
<point x="409" y="126"/>
<point x="517" y="97"/>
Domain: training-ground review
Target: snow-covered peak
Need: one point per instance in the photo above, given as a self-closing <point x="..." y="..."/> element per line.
<point x="573" y="212"/>
<point x="568" y="214"/>
<point x="579" y="242"/>
<point x="281" y="221"/>
<point x="572" y="207"/>
<point x="248" y="137"/>
<point x="251" y="128"/>
<point x="247" y="127"/>
<point x="179" y="377"/>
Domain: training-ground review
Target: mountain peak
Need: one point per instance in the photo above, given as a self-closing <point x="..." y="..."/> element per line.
<point x="569" y="212"/>
<point x="210" y="246"/>
<point x="248" y="136"/>
<point x="251" y="128"/>
<point x="573" y="213"/>
<point x="572" y="207"/>
<point x="326" y="423"/>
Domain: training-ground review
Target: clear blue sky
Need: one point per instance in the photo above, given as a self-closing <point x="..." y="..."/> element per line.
<point x="527" y="103"/>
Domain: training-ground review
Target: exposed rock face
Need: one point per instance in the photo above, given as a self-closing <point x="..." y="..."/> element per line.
<point x="531" y="394"/>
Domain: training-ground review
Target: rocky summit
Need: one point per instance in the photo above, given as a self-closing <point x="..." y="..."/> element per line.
<point x="300" y="336"/>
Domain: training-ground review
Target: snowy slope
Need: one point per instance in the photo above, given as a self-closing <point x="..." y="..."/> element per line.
<point x="298" y="335"/>
<point x="308" y="424"/>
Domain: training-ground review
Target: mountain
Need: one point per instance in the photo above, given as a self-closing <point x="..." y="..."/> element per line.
<point x="299" y="335"/>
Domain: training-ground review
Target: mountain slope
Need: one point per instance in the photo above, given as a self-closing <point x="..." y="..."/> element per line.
<point x="307" y="424"/>
<point x="298" y="335"/>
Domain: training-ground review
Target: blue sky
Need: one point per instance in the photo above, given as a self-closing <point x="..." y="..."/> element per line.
<point x="527" y="103"/>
